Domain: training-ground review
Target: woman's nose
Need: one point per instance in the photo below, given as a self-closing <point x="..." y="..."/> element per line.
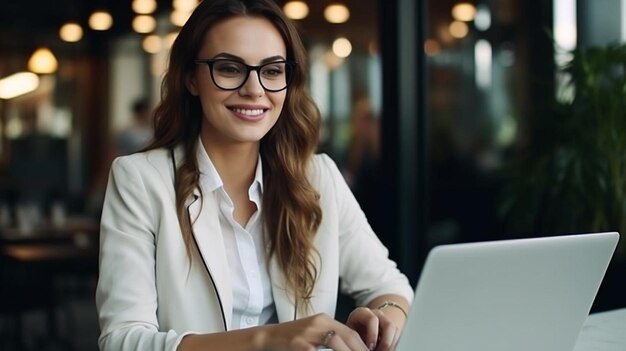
<point x="252" y="86"/>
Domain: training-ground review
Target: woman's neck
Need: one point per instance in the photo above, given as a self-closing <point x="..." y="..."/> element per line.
<point x="235" y="163"/>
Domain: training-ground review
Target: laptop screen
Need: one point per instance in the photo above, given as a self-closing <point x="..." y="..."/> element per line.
<point x="514" y="295"/>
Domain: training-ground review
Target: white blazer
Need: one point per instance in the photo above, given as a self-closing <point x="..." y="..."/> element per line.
<point x="150" y="294"/>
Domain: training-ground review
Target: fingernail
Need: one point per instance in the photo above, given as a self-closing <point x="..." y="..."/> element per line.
<point x="371" y="347"/>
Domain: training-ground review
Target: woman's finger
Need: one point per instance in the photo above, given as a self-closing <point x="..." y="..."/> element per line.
<point x="347" y="340"/>
<point x="366" y="323"/>
<point x="387" y="332"/>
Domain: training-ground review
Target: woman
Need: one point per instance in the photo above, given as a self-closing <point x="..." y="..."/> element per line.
<point x="228" y="233"/>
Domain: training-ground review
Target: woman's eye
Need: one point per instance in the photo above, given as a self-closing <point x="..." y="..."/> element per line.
<point x="273" y="71"/>
<point x="228" y="69"/>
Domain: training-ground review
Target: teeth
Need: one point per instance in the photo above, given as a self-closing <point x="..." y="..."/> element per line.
<point x="254" y="112"/>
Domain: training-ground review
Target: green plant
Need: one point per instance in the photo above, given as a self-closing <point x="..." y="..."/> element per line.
<point x="572" y="176"/>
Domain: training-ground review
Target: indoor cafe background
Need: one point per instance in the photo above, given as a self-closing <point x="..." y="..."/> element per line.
<point x="452" y="121"/>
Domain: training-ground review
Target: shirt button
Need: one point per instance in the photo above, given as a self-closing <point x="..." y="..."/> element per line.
<point x="250" y="320"/>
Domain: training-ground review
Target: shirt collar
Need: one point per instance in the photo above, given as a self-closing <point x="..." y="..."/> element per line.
<point x="211" y="179"/>
<point x="258" y="174"/>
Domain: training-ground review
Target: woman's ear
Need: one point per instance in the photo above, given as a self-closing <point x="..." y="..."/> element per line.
<point x="190" y="82"/>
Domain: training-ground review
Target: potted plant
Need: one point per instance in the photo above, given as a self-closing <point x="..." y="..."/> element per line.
<point x="571" y="177"/>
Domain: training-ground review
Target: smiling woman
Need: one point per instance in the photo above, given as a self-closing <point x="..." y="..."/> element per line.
<point x="228" y="225"/>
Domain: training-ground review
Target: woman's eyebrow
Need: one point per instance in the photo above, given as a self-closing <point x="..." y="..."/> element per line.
<point x="272" y="59"/>
<point x="237" y="58"/>
<point x="228" y="56"/>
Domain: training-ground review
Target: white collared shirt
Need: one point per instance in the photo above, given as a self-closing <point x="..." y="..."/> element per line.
<point x="253" y="303"/>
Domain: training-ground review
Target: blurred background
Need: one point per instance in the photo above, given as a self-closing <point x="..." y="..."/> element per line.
<point x="452" y="121"/>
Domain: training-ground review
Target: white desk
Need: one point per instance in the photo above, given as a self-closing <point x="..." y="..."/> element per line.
<point x="604" y="331"/>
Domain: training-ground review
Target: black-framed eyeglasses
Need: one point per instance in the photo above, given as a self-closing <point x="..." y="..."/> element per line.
<point x="230" y="74"/>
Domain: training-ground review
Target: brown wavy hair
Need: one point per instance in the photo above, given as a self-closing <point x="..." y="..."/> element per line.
<point x="291" y="207"/>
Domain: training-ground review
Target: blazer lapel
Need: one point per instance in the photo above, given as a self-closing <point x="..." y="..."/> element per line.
<point x="203" y="212"/>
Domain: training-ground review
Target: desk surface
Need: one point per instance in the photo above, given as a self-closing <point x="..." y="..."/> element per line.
<point x="48" y="232"/>
<point x="605" y="331"/>
<point x="74" y="241"/>
<point x="48" y="253"/>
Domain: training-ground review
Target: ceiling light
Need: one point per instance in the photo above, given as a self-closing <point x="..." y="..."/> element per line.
<point x="464" y="12"/>
<point x="458" y="29"/>
<point x="182" y="11"/>
<point x="144" y="24"/>
<point x="43" y="61"/>
<point x="18" y="84"/>
<point x="296" y="10"/>
<point x="71" y="32"/>
<point x="100" y="20"/>
<point x="336" y="13"/>
<point x="185" y="5"/>
<point x="144" y="7"/>
<point x="152" y="44"/>
<point x="342" y="47"/>
<point x="179" y="17"/>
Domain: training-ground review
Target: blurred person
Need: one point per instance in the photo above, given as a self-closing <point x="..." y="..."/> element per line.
<point x="37" y="172"/>
<point x="362" y="171"/>
<point x="228" y="233"/>
<point x="138" y="134"/>
<point x="130" y="139"/>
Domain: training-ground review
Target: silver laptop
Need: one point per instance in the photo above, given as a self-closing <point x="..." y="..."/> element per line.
<point x="514" y="295"/>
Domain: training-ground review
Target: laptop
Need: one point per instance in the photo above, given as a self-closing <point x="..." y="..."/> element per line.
<point x="515" y="295"/>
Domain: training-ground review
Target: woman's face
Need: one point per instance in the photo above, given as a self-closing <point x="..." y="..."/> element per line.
<point x="246" y="114"/>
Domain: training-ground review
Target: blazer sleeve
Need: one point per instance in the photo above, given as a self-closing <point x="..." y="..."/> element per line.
<point x="365" y="269"/>
<point x="126" y="295"/>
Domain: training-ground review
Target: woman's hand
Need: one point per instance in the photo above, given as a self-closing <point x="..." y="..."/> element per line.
<point x="308" y="334"/>
<point x="377" y="331"/>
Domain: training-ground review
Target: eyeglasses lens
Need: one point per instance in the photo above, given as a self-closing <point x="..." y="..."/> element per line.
<point x="230" y="74"/>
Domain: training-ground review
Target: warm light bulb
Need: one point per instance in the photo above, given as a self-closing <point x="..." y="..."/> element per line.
<point x="43" y="61"/>
<point x="458" y="29"/>
<point x="342" y="47"/>
<point x="336" y="13"/>
<point x="144" y="7"/>
<point x="100" y="20"/>
<point x="152" y="44"/>
<point x="464" y="12"/>
<point x="71" y="32"/>
<point x="184" y="5"/>
<point x="296" y="10"/>
<point x="18" y="84"/>
<point x="144" y="24"/>
<point x="179" y="17"/>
